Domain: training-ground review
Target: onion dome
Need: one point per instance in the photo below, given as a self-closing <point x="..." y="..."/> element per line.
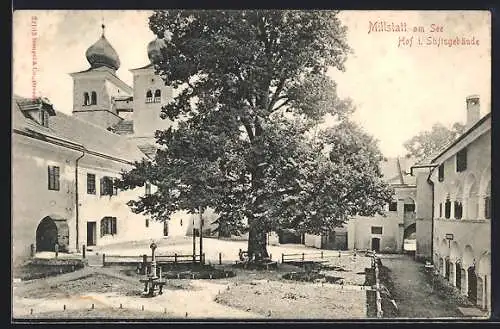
<point x="154" y="50"/>
<point x="102" y="53"/>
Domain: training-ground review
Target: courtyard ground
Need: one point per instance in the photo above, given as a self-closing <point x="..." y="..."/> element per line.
<point x="250" y="294"/>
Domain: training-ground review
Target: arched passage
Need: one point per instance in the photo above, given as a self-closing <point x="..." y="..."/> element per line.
<point x="52" y="230"/>
<point x="484" y="281"/>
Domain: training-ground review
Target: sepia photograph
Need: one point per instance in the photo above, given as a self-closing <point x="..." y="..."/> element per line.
<point x="250" y="165"/>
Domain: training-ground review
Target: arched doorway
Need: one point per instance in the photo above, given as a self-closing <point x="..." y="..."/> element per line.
<point x="410" y="238"/>
<point x="51" y="230"/>
<point x="472" y="284"/>
<point x="376" y="244"/>
<point x="46" y="235"/>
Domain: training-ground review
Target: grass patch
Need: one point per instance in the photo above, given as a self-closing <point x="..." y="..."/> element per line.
<point x="42" y="268"/>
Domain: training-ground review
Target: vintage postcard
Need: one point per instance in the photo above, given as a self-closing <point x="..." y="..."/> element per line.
<point x="255" y="165"/>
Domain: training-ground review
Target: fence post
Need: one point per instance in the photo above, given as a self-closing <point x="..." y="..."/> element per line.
<point x="321" y="254"/>
<point x="303" y="256"/>
<point x="270" y="256"/>
<point x="220" y="258"/>
<point x="103" y="259"/>
<point x="203" y="259"/>
<point x="145" y="263"/>
<point x="32" y="247"/>
<point x="282" y="258"/>
<point x="83" y="251"/>
<point x="56" y="249"/>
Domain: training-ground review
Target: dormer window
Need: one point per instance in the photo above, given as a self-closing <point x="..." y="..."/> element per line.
<point x="157" y="96"/>
<point x="86" y="99"/>
<point x="93" y="100"/>
<point x="44" y="118"/>
<point x="149" y="96"/>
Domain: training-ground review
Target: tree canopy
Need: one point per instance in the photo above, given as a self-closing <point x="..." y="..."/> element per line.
<point x="252" y="89"/>
<point x="427" y="143"/>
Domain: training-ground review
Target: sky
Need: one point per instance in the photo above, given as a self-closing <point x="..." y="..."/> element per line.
<point x="398" y="89"/>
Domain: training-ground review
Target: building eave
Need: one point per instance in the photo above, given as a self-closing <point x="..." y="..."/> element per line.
<point x="461" y="137"/>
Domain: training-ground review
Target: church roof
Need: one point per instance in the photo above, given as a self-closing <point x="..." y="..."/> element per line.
<point x="91" y="137"/>
<point x="102" y="53"/>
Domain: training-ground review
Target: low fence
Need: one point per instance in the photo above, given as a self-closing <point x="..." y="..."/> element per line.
<point x="145" y="259"/>
<point x="302" y="257"/>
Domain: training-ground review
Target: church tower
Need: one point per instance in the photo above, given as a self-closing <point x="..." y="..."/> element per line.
<point x="150" y="94"/>
<point x="96" y="89"/>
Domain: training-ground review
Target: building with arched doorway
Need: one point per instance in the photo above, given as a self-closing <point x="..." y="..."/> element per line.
<point x="383" y="233"/>
<point x="64" y="166"/>
<point x="456" y="187"/>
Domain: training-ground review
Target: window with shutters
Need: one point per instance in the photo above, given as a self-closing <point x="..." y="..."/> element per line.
<point x="441" y="172"/>
<point x="376" y="229"/>
<point x="461" y="160"/>
<point x="393" y="206"/>
<point x="108" y="186"/>
<point x="90" y="184"/>
<point x="447" y="208"/>
<point x="53" y="177"/>
<point x="108" y="226"/>
<point x="93" y="98"/>
<point x="86" y="99"/>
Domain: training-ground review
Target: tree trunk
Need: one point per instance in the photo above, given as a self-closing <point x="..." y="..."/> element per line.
<point x="257" y="243"/>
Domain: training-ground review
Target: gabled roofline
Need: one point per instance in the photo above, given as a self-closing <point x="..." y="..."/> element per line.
<point x="477" y="124"/>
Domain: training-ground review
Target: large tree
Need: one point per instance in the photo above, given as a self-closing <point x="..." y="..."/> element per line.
<point x="252" y="85"/>
<point x="427" y="143"/>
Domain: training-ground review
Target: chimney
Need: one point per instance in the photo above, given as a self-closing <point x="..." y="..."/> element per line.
<point x="473" y="108"/>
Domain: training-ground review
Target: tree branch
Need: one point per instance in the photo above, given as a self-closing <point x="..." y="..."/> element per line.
<point x="276" y="96"/>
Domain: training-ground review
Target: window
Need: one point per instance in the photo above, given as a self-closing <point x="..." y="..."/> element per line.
<point x="447" y="208"/>
<point x="148" y="188"/>
<point x="90" y="184"/>
<point x="157" y="96"/>
<point x="409" y="207"/>
<point x="441" y="172"/>
<point x="115" y="187"/>
<point x="44" y="118"/>
<point x="107" y="186"/>
<point x="393" y="206"/>
<point x="53" y="172"/>
<point x="487" y="207"/>
<point x="147" y="222"/>
<point x="86" y="99"/>
<point x="181" y="221"/>
<point x="458" y="209"/>
<point x="441" y="210"/>
<point x="462" y="160"/>
<point x="149" y="96"/>
<point x="94" y="98"/>
<point x="108" y="226"/>
<point x="376" y="229"/>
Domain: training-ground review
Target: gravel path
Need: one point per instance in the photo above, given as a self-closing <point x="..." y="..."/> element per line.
<point x="413" y="294"/>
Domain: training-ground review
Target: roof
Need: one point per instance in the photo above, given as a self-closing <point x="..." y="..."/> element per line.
<point x="143" y="67"/>
<point x="396" y="170"/>
<point x="74" y="130"/>
<point x="466" y="133"/>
